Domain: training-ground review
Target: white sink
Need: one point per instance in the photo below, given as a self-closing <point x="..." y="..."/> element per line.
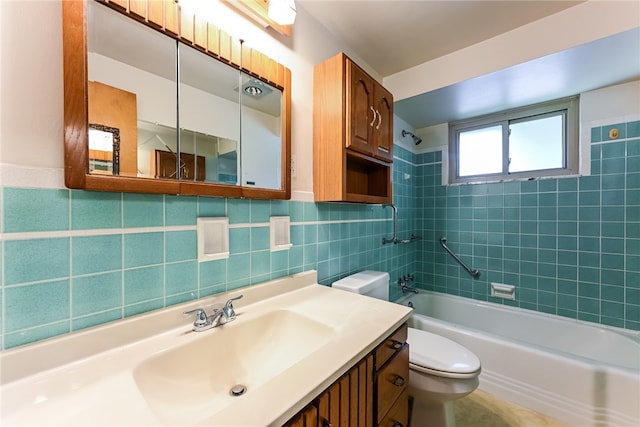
<point x="192" y="382"/>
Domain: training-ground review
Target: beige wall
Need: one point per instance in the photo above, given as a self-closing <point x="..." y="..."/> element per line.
<point x="31" y="73"/>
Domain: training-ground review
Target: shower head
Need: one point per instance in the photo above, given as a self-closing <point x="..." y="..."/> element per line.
<point x="416" y="139"/>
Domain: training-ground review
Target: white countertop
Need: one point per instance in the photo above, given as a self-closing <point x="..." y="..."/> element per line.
<point x="87" y="378"/>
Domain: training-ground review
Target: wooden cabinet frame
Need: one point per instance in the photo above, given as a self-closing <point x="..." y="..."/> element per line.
<point x="167" y="17"/>
<point x="352" y="134"/>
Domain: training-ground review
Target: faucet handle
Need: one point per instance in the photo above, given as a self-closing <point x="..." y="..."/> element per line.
<point x="201" y="317"/>
<point x="229" y="312"/>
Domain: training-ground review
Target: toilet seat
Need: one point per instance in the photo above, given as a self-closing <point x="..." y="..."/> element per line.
<point x="436" y="355"/>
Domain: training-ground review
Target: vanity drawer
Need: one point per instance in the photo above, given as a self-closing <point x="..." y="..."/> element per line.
<point x="393" y="379"/>
<point x="398" y="415"/>
<point x="391" y="346"/>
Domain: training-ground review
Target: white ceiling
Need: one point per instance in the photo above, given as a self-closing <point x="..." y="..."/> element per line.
<point x="573" y="71"/>
<point x="392" y="36"/>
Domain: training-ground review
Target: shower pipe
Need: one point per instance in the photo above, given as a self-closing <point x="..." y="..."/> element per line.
<point x="395" y="239"/>
<point x="473" y="273"/>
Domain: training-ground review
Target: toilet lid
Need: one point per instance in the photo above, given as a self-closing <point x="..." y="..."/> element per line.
<point x="436" y="353"/>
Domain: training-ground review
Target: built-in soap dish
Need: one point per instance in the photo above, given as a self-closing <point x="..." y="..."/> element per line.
<point x="213" y="238"/>
<point x="280" y="233"/>
<point x="500" y="290"/>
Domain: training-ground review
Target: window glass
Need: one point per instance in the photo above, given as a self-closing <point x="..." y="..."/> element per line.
<point x="536" y="144"/>
<point x="529" y="142"/>
<point x="480" y="151"/>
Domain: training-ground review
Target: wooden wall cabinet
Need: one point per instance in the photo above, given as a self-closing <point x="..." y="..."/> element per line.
<point x="372" y="393"/>
<point x="352" y="134"/>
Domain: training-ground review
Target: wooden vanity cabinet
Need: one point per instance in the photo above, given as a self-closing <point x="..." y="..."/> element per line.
<point x="352" y="134"/>
<point x="372" y="393"/>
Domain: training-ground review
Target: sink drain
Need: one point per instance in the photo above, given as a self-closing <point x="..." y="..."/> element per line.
<point x="238" y="390"/>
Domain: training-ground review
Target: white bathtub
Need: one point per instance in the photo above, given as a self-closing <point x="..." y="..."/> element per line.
<point x="573" y="371"/>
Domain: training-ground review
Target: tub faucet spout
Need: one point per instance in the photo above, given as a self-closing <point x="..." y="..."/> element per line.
<point x="402" y="281"/>
<point x="406" y="289"/>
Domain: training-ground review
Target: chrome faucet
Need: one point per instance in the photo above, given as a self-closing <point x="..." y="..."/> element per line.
<point x="219" y="317"/>
<point x="402" y="281"/>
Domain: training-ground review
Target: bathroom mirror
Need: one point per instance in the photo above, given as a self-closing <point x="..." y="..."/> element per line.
<point x="209" y="115"/>
<point x="132" y="86"/>
<point x="261" y="133"/>
<point x="177" y="101"/>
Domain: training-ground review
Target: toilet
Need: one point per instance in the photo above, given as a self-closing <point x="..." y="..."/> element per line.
<point x="440" y="370"/>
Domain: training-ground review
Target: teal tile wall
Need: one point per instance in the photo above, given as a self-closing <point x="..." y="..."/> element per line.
<point x="75" y="259"/>
<point x="571" y="246"/>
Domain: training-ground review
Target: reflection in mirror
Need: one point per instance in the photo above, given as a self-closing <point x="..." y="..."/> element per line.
<point x="131" y="73"/>
<point x="261" y="134"/>
<point x="209" y="118"/>
<point x="104" y="149"/>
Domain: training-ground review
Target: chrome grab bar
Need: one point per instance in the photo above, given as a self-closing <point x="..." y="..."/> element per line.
<point x="395" y="239"/>
<point x="473" y="273"/>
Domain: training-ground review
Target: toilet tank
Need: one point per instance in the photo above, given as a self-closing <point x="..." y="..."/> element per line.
<point x="371" y="283"/>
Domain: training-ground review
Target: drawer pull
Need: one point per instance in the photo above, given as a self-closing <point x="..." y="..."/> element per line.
<point x="398" y="381"/>
<point x="396" y="345"/>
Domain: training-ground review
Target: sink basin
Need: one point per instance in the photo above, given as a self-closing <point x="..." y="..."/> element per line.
<point x="192" y="382"/>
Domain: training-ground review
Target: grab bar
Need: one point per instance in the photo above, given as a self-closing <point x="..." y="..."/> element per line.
<point x="473" y="273"/>
<point x="395" y="239"/>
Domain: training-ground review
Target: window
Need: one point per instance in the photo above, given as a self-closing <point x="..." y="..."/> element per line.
<point x="540" y="140"/>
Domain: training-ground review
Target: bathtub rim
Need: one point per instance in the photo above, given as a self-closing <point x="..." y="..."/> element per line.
<point x="632" y="335"/>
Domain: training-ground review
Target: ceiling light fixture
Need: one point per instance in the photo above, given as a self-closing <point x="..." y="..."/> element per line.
<point x="283" y="12"/>
<point x="253" y="90"/>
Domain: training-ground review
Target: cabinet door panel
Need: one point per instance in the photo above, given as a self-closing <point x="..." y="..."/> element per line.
<point x="392" y="381"/>
<point x="307" y="418"/>
<point x="383" y="127"/>
<point x="398" y="415"/>
<point x="361" y="116"/>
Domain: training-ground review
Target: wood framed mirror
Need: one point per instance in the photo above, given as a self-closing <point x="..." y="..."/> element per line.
<point x="169" y="151"/>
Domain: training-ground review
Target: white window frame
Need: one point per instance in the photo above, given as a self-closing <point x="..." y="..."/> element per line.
<point x="570" y="106"/>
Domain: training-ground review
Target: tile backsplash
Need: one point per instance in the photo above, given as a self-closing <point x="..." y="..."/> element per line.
<point x="74" y="259"/>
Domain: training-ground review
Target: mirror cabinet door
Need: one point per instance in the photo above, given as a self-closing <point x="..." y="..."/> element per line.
<point x="261" y="133"/>
<point x="132" y="88"/>
<point x="147" y="112"/>
<point x="209" y="116"/>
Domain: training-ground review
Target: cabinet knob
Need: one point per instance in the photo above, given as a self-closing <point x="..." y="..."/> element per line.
<point x="326" y="423"/>
<point x="374" y="116"/>
<point x="396" y="345"/>
<point x="399" y="381"/>
<point x="397" y="424"/>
